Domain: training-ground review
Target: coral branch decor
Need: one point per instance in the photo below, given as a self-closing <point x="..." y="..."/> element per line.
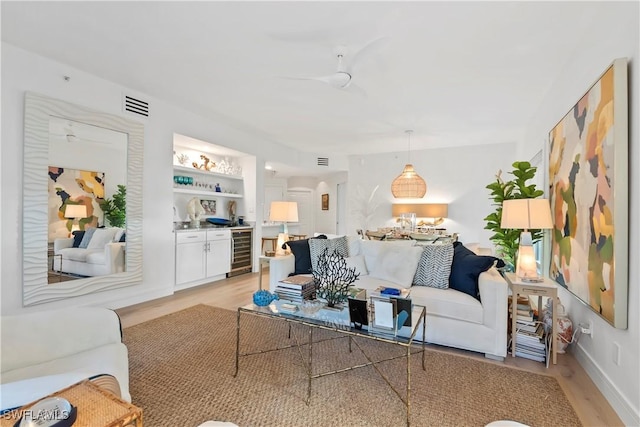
<point x="333" y="278"/>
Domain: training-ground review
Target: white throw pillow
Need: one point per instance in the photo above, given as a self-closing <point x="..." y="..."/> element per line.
<point x="101" y="237"/>
<point x="118" y="234"/>
<point x="357" y="262"/>
<point x="371" y="249"/>
<point x="397" y="264"/>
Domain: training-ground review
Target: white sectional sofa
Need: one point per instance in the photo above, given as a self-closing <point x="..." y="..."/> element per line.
<point x="101" y="257"/>
<point x="454" y="318"/>
<point x="47" y="351"/>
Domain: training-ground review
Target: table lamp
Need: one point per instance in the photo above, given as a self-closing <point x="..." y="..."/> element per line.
<point x="526" y="214"/>
<point x="283" y="212"/>
<point x="75" y="212"/>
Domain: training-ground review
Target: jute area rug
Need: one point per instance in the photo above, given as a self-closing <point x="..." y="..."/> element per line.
<point x="181" y="374"/>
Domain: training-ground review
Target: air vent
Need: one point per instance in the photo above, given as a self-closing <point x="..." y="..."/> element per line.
<point x="323" y="161"/>
<point x="136" y="106"/>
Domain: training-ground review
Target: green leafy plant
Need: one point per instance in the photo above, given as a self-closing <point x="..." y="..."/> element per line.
<point x="115" y="208"/>
<point x="506" y="240"/>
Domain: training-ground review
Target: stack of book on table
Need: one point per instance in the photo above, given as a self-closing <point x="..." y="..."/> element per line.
<point x="530" y="336"/>
<point x="296" y="288"/>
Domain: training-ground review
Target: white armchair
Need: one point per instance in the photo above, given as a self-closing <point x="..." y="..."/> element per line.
<point x="109" y="259"/>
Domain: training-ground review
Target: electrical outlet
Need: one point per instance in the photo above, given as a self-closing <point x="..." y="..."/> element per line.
<point x="616" y="353"/>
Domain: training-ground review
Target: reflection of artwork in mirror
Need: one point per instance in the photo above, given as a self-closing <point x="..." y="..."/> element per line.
<point x="74" y="200"/>
<point x="209" y="206"/>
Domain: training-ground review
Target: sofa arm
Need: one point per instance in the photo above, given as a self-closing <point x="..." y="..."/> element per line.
<point x="493" y="295"/>
<point x="114" y="257"/>
<point x="59" y="244"/>
<point x="280" y="267"/>
<point x="33" y="338"/>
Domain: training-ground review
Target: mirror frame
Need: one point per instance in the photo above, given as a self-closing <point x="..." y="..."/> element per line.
<point x="37" y="111"/>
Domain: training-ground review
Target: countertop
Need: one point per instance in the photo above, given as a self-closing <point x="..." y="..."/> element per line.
<point x="180" y="227"/>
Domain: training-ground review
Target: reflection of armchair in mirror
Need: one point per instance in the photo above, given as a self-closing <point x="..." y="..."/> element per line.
<point x="75" y="156"/>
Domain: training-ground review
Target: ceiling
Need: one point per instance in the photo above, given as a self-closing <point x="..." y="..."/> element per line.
<point x="457" y="73"/>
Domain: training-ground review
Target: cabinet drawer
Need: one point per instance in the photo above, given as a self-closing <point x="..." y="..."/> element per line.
<point x="190" y="237"/>
<point x="218" y="235"/>
<point x="537" y="291"/>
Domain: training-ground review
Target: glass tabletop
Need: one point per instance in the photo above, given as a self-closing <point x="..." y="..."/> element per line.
<point x="338" y="320"/>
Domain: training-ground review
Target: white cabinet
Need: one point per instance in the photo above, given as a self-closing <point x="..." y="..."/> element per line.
<point x="202" y="255"/>
<point x="218" y="252"/>
<point x="190" y="256"/>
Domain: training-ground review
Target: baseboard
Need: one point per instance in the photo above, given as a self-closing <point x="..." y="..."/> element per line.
<point x="628" y="415"/>
<point x="138" y="298"/>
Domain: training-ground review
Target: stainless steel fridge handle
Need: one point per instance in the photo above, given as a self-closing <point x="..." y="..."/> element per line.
<point x="233" y="250"/>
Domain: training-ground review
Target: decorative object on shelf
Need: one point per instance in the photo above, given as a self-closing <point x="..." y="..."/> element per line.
<point x="506" y="240"/>
<point x="564" y="325"/>
<point x="333" y="277"/>
<point x="263" y="298"/>
<point x="589" y="192"/>
<point x="231" y="208"/>
<point x="195" y="210"/>
<point x="208" y="165"/>
<point x="283" y="212"/>
<point x="209" y="206"/>
<point x="115" y="209"/>
<point x="325" y="202"/>
<point x="183" y="159"/>
<point x="218" y="189"/>
<point x="526" y="214"/>
<point x="409" y="184"/>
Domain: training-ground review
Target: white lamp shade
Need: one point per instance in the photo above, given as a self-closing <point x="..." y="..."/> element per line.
<point x="75" y="211"/>
<point x="284" y="211"/>
<point x="526" y="214"/>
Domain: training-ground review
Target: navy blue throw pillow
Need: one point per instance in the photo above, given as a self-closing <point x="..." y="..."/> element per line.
<point x="77" y="238"/>
<point x="300" y="250"/>
<point x="123" y="238"/>
<point x="466" y="268"/>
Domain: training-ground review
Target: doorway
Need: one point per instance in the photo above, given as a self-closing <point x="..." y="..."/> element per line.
<point x="306" y="223"/>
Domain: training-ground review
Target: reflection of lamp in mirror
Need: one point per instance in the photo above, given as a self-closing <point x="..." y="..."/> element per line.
<point x="526" y="214"/>
<point x="283" y="212"/>
<point x="75" y="212"/>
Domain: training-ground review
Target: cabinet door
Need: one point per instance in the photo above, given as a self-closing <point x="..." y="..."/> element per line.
<point x="218" y="257"/>
<point x="190" y="262"/>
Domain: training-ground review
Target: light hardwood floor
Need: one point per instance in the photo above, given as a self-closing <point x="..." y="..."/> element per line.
<point x="590" y="405"/>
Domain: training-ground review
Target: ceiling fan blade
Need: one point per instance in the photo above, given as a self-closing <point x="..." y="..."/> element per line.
<point x="356" y="90"/>
<point x="324" y="79"/>
<point x="367" y="49"/>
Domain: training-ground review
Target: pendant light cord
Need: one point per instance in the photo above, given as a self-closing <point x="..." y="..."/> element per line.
<point x="409" y="132"/>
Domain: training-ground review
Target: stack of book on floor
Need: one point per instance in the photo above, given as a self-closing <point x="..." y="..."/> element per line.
<point x="530" y="340"/>
<point x="296" y="288"/>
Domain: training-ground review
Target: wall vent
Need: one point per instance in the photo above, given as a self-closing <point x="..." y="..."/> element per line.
<point x="323" y="161"/>
<point x="136" y="106"/>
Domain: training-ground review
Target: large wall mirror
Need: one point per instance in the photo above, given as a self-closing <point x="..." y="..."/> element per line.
<point x="75" y="161"/>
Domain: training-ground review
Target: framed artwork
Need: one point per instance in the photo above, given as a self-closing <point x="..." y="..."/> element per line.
<point x="209" y="206"/>
<point x="325" y="202"/>
<point x="73" y="187"/>
<point x="588" y="190"/>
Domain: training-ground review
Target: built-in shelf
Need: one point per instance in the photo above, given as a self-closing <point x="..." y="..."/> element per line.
<point x="205" y="173"/>
<point x="206" y="193"/>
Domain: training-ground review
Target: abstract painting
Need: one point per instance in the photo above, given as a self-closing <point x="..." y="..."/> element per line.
<point x="588" y="189"/>
<point x="72" y="186"/>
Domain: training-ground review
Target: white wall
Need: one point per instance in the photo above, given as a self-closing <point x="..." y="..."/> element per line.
<point x="617" y="34"/>
<point x="326" y="220"/>
<point x="23" y="71"/>
<point x="456" y="176"/>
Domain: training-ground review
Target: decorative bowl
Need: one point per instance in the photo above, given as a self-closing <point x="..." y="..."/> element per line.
<point x="310" y="307"/>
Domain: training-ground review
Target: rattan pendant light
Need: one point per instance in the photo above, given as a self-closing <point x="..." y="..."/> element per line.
<point x="408" y="185"/>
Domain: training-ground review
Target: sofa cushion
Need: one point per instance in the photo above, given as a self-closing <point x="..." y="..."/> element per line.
<point x="77" y="254"/>
<point x="371" y="249"/>
<point x="317" y="246"/>
<point x="96" y="257"/>
<point x="434" y="267"/>
<point x="301" y="252"/>
<point x="396" y="263"/>
<point x="466" y="268"/>
<point x="88" y="233"/>
<point x="357" y="262"/>
<point x="101" y="237"/>
<point x="77" y="238"/>
<point x="448" y="303"/>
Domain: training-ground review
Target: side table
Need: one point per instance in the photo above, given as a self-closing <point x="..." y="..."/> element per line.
<point x="96" y="408"/>
<point x="546" y="288"/>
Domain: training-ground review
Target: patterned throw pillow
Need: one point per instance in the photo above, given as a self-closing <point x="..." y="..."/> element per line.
<point x="317" y="246"/>
<point x="434" y="267"/>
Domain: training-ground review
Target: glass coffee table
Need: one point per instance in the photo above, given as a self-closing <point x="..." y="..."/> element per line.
<point x="338" y="321"/>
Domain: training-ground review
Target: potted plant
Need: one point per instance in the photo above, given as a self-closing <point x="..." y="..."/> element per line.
<point x="506" y="240"/>
<point x="115" y="209"/>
